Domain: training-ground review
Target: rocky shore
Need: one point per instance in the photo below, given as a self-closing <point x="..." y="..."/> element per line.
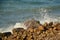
<point x="35" y="31"/>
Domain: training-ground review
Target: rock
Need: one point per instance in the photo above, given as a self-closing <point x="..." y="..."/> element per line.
<point x="58" y="27"/>
<point x="56" y="24"/>
<point x="0" y="38"/>
<point x="7" y="34"/>
<point x="50" y="24"/>
<point x="17" y="30"/>
<point x="45" y="24"/>
<point x="1" y="35"/>
<point x="34" y="31"/>
<point x="32" y="23"/>
<point x="19" y="33"/>
<point x="40" y="28"/>
<point x="5" y="38"/>
<point x="30" y="29"/>
<point x="37" y="31"/>
<point x="54" y="28"/>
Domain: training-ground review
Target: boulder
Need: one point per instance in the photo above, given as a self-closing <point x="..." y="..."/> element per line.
<point x="58" y="27"/>
<point x="30" y="29"/>
<point x="7" y="34"/>
<point x="32" y="23"/>
<point x="0" y="38"/>
<point x="56" y="24"/>
<point x="1" y="35"/>
<point x="45" y="24"/>
<point x="17" y="30"/>
<point x="41" y="28"/>
<point x="50" y="24"/>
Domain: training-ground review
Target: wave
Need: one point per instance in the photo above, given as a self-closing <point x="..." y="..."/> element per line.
<point x="43" y="14"/>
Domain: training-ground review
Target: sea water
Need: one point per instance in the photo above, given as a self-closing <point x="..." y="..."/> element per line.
<point x="14" y="12"/>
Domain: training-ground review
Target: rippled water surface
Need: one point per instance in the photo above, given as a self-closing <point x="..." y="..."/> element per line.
<point x="17" y="11"/>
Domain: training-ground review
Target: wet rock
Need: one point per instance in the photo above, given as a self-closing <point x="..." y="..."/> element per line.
<point x="50" y="24"/>
<point x="40" y="28"/>
<point x="54" y="28"/>
<point x="30" y="29"/>
<point x="1" y="35"/>
<point x="56" y="24"/>
<point x="58" y="27"/>
<point x="7" y="34"/>
<point x="32" y="23"/>
<point x="45" y="24"/>
<point x="0" y="38"/>
<point x="19" y="34"/>
<point x="17" y="30"/>
<point x="34" y="31"/>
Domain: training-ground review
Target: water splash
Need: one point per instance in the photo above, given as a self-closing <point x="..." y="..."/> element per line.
<point x="9" y="29"/>
<point x="20" y="25"/>
<point x="46" y="17"/>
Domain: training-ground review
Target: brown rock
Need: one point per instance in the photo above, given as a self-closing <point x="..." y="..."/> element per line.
<point x="37" y="31"/>
<point x="56" y="24"/>
<point x="58" y="27"/>
<point x="17" y="30"/>
<point x="29" y="38"/>
<point x="54" y="28"/>
<point x="40" y="28"/>
<point x="0" y="38"/>
<point x="32" y="23"/>
<point x="1" y="35"/>
<point x="50" y="24"/>
<point x="45" y="24"/>
<point x="24" y="35"/>
<point x="30" y="29"/>
<point x="7" y="34"/>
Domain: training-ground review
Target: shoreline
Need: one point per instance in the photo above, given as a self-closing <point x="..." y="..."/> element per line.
<point x="34" y="31"/>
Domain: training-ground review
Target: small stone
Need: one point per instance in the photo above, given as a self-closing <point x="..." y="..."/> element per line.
<point x="40" y="28"/>
<point x="30" y="29"/>
<point x="7" y="34"/>
<point x="54" y="28"/>
<point x="58" y="27"/>
<point x="45" y="24"/>
<point x="32" y="23"/>
<point x="0" y="38"/>
<point x="50" y="24"/>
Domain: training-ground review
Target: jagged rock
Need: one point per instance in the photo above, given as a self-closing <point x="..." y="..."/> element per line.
<point x="19" y="33"/>
<point x="32" y="23"/>
<point x="17" y="30"/>
<point x="7" y="34"/>
<point x="0" y="38"/>
<point x="30" y="29"/>
<point x="34" y="31"/>
<point x="50" y="24"/>
<point x="37" y="31"/>
<point x="1" y="35"/>
<point x="4" y="35"/>
<point x="56" y="24"/>
<point x="45" y="24"/>
<point x="58" y="27"/>
<point x="40" y="27"/>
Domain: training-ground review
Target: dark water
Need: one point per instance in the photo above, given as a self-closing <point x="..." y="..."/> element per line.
<point x="17" y="11"/>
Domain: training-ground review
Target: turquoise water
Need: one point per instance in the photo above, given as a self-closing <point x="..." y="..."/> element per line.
<point x="17" y="11"/>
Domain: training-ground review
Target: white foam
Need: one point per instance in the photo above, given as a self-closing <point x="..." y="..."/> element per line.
<point x="46" y="17"/>
<point x="20" y="25"/>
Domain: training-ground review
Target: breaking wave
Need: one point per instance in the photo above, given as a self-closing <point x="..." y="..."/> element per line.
<point x="14" y="13"/>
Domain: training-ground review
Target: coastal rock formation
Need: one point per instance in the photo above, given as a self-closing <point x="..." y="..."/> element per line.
<point x="32" y="23"/>
<point x="34" y="31"/>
